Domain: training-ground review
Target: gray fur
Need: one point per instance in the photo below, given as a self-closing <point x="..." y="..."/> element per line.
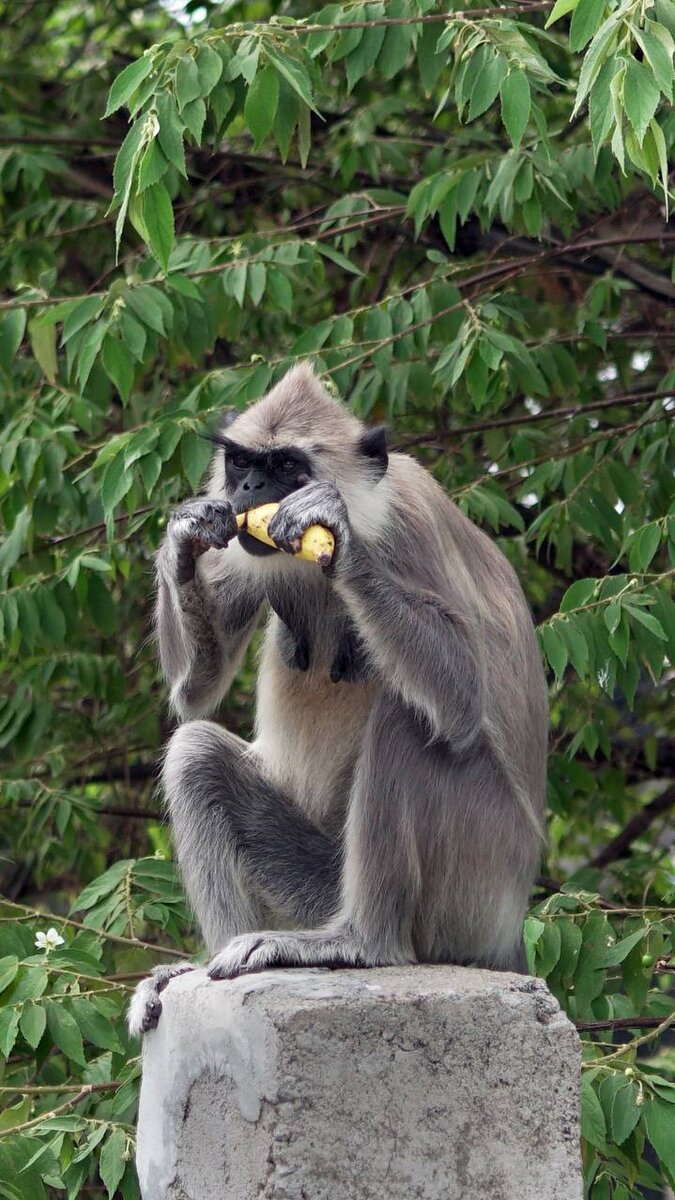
<point x="390" y="808"/>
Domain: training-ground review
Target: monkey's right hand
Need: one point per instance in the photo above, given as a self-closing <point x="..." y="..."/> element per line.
<point x="197" y="526"/>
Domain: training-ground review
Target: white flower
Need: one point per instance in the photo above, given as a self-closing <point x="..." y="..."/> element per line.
<point x="49" y="940"/>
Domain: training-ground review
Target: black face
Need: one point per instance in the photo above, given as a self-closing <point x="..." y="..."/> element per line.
<point x="256" y="477"/>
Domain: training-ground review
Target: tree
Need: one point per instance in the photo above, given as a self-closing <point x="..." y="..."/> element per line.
<point x="462" y="218"/>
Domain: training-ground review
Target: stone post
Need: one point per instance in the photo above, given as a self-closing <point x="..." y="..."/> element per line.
<point x="418" y="1083"/>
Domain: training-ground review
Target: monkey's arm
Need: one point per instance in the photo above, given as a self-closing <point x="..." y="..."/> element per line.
<point x="421" y="640"/>
<point x="423" y="644"/>
<point x="203" y="624"/>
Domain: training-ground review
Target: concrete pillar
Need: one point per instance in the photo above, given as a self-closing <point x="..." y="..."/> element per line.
<point x="421" y="1083"/>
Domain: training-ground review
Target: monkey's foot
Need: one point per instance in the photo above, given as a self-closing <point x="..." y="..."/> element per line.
<point x="145" y="1007"/>
<point x="250" y="952"/>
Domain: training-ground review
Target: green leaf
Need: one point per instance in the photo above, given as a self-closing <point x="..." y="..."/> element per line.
<point x="43" y="344"/>
<point x="118" y="366"/>
<point x="32" y="1023"/>
<point x="649" y="622"/>
<point x="188" y="86"/>
<point x="90" y="347"/>
<point x="115" y="484"/>
<point x="578" y="595"/>
<point x="95" y="1027"/>
<point x="194" y="115"/>
<point x="9" y="965"/>
<point x="9" y="1028"/>
<point x="196" y="455"/>
<point x="657" y="47"/>
<point x="592" y="1117"/>
<point x="209" y="69"/>
<point x="158" y="218"/>
<point x="587" y="17"/>
<point x="295" y="74"/>
<point x="153" y="164"/>
<point x="641" y="97"/>
<point x="262" y="99"/>
<point x="487" y="85"/>
<point x="170" y="135"/>
<point x="560" y="9"/>
<point x="126" y="83"/>
<point x="659" y="1122"/>
<point x="555" y="650"/>
<point x="515" y="96"/>
<point x="12" y="327"/>
<point x="112" y="1163"/>
<point x="64" y="1032"/>
<point x="143" y="300"/>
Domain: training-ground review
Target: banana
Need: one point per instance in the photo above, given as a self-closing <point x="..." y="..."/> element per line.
<point x="317" y="544"/>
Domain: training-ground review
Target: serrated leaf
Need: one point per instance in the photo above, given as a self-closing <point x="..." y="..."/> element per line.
<point x="209" y="69"/>
<point x="516" y="100"/>
<point x="658" y="1117"/>
<point x="153" y="164"/>
<point x="187" y="81"/>
<point x="43" y="344"/>
<point x="32" y="1023"/>
<point x="158" y="218"/>
<point x="64" y="1032"/>
<point x="12" y="328"/>
<point x="587" y="16"/>
<point x="194" y="116"/>
<point x="260" y="108"/>
<point x="649" y="622"/>
<point x="170" y="134"/>
<point x="95" y="1027"/>
<point x="592" y="1117"/>
<point x="118" y="366"/>
<point x="555" y="650"/>
<point x="196" y="455"/>
<point x="126" y="83"/>
<point x="9" y="965"/>
<point x="640" y="96"/>
<point x="9" y="1028"/>
<point x="112" y="1163"/>
<point x="115" y="484"/>
<point x="295" y="74"/>
<point x="560" y="9"/>
<point x="487" y="85"/>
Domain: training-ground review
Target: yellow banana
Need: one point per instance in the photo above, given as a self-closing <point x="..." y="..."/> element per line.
<point x="317" y="544"/>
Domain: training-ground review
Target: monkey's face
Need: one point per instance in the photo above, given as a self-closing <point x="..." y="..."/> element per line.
<point x="254" y="477"/>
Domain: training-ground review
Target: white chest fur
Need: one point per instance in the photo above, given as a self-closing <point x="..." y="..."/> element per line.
<point x="309" y="730"/>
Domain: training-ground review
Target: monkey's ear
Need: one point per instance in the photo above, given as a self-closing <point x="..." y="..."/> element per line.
<point x="373" y="445"/>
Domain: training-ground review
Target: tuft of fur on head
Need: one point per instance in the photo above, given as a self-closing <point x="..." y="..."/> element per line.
<point x="298" y="411"/>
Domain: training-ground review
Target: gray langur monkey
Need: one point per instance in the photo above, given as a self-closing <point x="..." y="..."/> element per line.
<point x="390" y="807"/>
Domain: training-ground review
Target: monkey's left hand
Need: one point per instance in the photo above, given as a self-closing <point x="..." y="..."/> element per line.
<point x="317" y="503"/>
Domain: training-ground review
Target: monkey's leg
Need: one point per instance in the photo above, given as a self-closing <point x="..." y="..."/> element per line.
<point x="247" y="854"/>
<point x="382" y="874"/>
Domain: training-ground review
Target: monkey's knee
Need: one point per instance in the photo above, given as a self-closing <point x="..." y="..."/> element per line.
<point x="198" y="764"/>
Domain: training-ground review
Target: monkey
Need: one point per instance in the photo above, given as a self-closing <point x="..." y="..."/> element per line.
<point x="390" y="807"/>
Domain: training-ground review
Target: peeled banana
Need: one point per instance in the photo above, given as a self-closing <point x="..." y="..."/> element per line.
<point x="317" y="544"/>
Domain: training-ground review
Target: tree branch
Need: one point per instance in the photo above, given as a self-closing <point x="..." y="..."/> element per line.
<point x="621" y="845"/>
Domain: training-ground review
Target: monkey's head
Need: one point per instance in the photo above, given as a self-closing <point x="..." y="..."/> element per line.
<point x="294" y="434"/>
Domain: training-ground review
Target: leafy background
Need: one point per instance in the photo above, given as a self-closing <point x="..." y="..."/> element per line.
<point x="462" y="218"/>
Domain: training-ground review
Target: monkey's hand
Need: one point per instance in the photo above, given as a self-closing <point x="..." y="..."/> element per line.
<point x="317" y="503"/>
<point x="195" y="527"/>
<point x="145" y="1007"/>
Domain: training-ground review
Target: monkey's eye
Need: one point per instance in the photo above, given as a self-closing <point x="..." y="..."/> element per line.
<point x="289" y="465"/>
<point x="240" y="461"/>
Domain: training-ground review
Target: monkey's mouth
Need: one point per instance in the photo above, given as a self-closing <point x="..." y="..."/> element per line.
<point x="252" y="546"/>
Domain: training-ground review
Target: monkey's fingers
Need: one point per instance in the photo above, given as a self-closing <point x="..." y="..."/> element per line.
<point x="316" y="544"/>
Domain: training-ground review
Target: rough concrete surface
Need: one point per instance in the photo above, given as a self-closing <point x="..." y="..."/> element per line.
<point x="422" y="1083"/>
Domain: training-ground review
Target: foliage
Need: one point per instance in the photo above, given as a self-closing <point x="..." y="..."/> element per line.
<point x="460" y="218"/>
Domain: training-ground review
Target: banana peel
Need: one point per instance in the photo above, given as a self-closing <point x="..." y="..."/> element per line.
<point x="316" y="545"/>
